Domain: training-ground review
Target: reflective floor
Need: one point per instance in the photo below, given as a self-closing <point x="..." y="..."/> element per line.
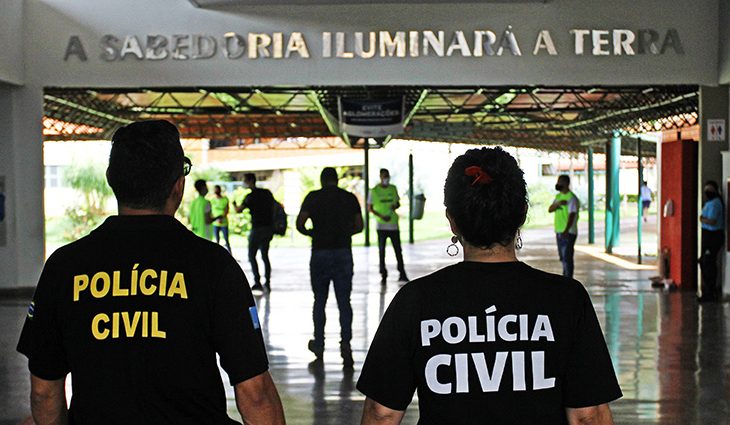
<point x="670" y="353"/>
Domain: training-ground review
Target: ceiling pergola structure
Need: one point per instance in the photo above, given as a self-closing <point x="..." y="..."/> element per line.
<point x="546" y="118"/>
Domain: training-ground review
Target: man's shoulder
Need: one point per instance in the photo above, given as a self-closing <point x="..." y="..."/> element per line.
<point x="344" y="194"/>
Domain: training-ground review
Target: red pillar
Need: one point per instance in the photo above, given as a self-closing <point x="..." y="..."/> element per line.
<point x="679" y="229"/>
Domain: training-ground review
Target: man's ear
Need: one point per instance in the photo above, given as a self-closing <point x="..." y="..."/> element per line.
<point x="180" y="185"/>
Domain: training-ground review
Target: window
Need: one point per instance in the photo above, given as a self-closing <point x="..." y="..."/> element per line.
<point x="549" y="170"/>
<point x="54" y="176"/>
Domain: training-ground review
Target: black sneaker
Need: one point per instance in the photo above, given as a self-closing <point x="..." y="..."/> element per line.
<point x="346" y="353"/>
<point x="318" y="350"/>
<point x="257" y="287"/>
<point x="403" y="278"/>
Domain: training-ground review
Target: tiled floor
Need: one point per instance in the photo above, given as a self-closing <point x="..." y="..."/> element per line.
<point x="671" y="354"/>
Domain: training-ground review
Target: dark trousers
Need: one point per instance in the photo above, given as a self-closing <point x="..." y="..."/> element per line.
<point x="331" y="265"/>
<point x="217" y="230"/>
<point x="258" y="240"/>
<point x="566" y="250"/>
<point x="394" y="236"/>
<point x="711" y="244"/>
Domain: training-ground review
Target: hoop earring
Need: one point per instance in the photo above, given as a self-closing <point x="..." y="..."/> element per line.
<point x="518" y="240"/>
<point x="453" y="249"/>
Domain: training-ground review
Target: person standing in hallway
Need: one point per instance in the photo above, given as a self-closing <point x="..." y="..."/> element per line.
<point x="260" y="203"/>
<point x="646" y="195"/>
<point x="201" y="216"/>
<point x="382" y="202"/>
<point x="489" y="340"/>
<point x="336" y="216"/>
<point x="713" y="236"/>
<point x="219" y="209"/>
<point x="133" y="312"/>
<point x="565" y="208"/>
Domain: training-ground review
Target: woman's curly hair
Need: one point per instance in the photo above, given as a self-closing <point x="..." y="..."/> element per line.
<point x="488" y="211"/>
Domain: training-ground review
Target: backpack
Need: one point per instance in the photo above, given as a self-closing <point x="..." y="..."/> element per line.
<point x="280" y="221"/>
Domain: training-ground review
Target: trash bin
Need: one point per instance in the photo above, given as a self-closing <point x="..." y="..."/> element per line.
<point x="419" y="202"/>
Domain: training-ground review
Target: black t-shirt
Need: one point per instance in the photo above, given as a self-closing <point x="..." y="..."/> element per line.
<point x="498" y="343"/>
<point x="333" y="212"/>
<point x="260" y="202"/>
<point x="136" y="312"/>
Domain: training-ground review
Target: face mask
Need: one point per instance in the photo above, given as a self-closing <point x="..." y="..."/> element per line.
<point x="710" y="195"/>
<point x="558" y="187"/>
<point x="386" y="181"/>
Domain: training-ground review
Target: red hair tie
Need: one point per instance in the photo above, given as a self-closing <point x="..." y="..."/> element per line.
<point x="480" y="176"/>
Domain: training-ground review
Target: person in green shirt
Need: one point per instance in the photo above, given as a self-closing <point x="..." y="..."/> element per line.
<point x="200" y="212"/>
<point x="382" y="203"/>
<point x="565" y="207"/>
<point x="219" y="208"/>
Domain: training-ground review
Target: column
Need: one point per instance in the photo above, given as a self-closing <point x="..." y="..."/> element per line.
<point x="21" y="165"/>
<point x="640" y="215"/>
<point x="591" y="200"/>
<point x="411" y="234"/>
<point x="613" y="197"/>
<point x="366" y="177"/>
<point x="713" y="106"/>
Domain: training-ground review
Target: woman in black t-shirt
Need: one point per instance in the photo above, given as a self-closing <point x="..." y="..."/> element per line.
<point x="489" y="340"/>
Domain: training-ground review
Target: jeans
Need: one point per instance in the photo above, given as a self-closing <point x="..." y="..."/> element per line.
<point x="394" y="236"/>
<point x="566" y="249"/>
<point x="217" y="230"/>
<point x="711" y="244"/>
<point x="259" y="238"/>
<point x="333" y="265"/>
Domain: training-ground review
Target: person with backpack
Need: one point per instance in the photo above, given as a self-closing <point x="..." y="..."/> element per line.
<point x="262" y="206"/>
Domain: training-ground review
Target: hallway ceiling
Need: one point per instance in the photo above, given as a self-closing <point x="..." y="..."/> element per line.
<point x="547" y="118"/>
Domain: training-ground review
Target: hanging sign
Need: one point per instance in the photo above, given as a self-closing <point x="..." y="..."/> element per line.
<point x="371" y="118"/>
<point x="716" y="130"/>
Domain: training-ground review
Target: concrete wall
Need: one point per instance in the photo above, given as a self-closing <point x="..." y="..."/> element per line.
<point x="47" y="25"/>
<point x="724" y="37"/>
<point x="21" y="162"/>
<point x="11" y="39"/>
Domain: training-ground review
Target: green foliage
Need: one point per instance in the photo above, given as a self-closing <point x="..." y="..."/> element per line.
<point x="309" y="179"/>
<point x="89" y="180"/>
<point x="540" y="196"/>
<point x="238" y="223"/>
<point x="209" y="174"/>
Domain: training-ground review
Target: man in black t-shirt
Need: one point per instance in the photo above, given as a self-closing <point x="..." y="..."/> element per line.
<point x="336" y="216"/>
<point x="137" y="310"/>
<point x="260" y="203"/>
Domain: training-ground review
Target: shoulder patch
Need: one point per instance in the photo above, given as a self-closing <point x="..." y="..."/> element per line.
<point x="254" y="317"/>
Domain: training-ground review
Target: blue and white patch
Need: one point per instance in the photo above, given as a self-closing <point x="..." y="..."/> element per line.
<point x="31" y="309"/>
<point x="254" y="317"/>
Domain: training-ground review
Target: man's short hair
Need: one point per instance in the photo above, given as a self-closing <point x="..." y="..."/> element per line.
<point x="328" y="176"/>
<point x="384" y="171"/>
<point x="565" y="178"/>
<point x="249" y="177"/>
<point x="146" y="160"/>
<point x="200" y="184"/>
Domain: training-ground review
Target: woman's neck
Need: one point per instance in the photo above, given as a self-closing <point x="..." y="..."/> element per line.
<point x="496" y="254"/>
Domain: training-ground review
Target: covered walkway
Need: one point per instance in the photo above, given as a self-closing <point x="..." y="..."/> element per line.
<point x="670" y="353"/>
